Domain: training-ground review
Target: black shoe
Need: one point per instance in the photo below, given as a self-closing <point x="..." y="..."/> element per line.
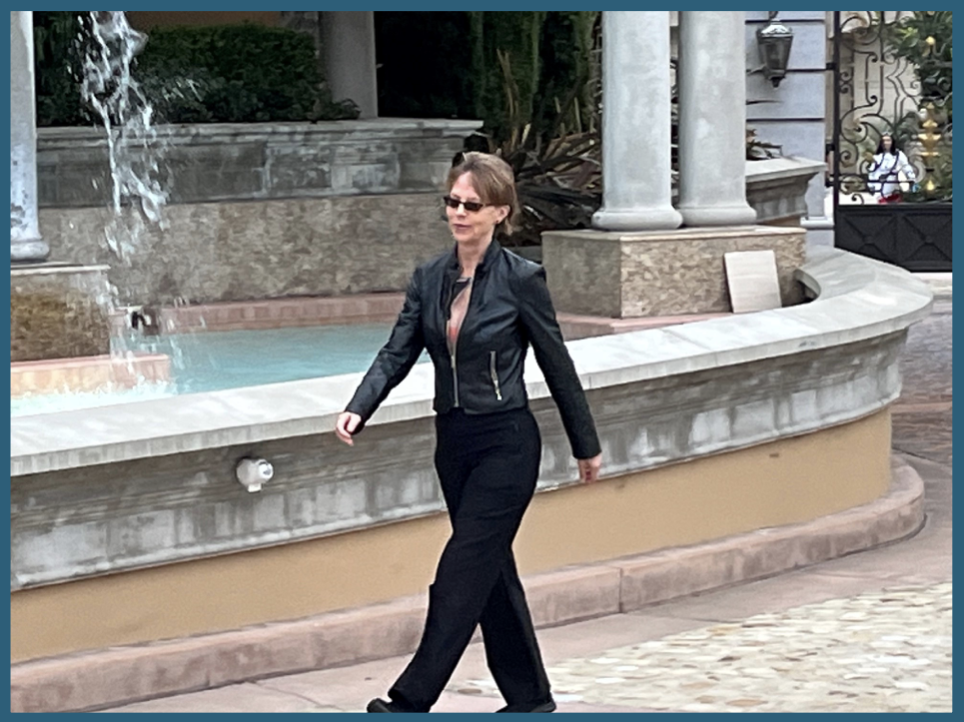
<point x="549" y="706"/>
<point x="380" y="705"/>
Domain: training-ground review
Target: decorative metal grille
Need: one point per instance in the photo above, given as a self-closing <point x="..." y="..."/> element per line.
<point x="892" y="77"/>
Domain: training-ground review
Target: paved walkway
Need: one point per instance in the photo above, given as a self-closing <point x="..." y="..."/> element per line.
<point x="867" y="632"/>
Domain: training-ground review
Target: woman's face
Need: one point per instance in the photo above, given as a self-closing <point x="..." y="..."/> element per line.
<point x="468" y="226"/>
<point x="886" y="142"/>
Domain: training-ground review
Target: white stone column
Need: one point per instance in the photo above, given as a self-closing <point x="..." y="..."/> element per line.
<point x="349" y="48"/>
<point x="25" y="241"/>
<point x="637" y="190"/>
<point x="712" y="123"/>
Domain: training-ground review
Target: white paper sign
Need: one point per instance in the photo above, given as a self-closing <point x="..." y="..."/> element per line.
<point x="751" y="277"/>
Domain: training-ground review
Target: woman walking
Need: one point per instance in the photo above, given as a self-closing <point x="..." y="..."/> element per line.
<point x="476" y="309"/>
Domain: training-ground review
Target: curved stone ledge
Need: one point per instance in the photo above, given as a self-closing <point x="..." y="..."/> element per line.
<point x="857" y="300"/>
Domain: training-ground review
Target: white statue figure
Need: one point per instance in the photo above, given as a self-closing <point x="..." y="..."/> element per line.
<point x="891" y="174"/>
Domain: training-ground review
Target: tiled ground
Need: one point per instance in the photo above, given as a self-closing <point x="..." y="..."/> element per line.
<point x="922" y="416"/>
<point x="880" y="652"/>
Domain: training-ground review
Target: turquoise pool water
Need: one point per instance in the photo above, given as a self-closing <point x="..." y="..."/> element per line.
<point x="215" y="360"/>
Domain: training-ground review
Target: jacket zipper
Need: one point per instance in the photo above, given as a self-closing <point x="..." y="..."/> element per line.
<point x="455" y="345"/>
<point x="455" y="369"/>
<point x="495" y="375"/>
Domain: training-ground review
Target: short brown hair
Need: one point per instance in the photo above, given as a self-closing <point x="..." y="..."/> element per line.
<point x="494" y="181"/>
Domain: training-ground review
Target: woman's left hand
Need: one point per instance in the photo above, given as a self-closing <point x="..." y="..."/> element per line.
<point x="589" y="469"/>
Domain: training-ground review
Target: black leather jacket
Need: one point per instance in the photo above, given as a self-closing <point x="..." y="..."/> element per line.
<point x="509" y="308"/>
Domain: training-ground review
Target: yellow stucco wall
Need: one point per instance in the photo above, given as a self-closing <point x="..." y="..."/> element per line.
<point x="787" y="481"/>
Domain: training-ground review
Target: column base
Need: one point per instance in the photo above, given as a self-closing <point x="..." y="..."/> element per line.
<point x="637" y="219"/>
<point x="702" y="216"/>
<point x="660" y="273"/>
<point x="29" y="251"/>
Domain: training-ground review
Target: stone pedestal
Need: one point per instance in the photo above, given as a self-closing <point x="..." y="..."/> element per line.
<point x="777" y="188"/>
<point x="58" y="311"/>
<point x="660" y="273"/>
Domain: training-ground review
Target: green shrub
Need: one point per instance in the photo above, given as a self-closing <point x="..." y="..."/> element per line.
<point x="58" y="50"/>
<point x="925" y="40"/>
<point x="234" y="74"/>
<point x="218" y="74"/>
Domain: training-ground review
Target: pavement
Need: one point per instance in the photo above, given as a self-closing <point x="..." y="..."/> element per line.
<point x="868" y="632"/>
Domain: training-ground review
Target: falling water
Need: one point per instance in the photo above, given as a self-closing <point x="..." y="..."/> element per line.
<point x="135" y="153"/>
<point x="127" y="115"/>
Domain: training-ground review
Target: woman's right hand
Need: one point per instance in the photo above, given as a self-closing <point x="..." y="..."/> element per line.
<point x="589" y="469"/>
<point x="346" y="425"/>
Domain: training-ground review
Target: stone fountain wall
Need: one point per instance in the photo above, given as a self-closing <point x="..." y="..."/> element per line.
<point x="262" y="210"/>
<point x="277" y="210"/>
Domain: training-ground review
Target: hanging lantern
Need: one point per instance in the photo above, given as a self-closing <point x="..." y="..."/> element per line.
<point x="774" y="41"/>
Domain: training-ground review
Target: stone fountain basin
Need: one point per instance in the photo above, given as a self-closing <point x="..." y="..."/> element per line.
<point x="659" y="396"/>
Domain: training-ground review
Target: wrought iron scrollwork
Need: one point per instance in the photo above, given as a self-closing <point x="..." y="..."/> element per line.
<point x="892" y="77"/>
<point x="884" y="85"/>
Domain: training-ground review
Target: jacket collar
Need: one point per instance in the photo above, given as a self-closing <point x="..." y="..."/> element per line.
<point x="488" y="258"/>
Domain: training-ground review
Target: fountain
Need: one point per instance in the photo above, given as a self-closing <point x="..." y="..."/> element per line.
<point x="211" y="260"/>
<point x="63" y="314"/>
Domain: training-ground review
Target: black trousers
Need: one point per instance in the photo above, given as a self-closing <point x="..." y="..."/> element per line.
<point x="488" y="466"/>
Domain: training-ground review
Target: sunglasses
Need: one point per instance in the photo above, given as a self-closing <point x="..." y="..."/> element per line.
<point x="470" y="206"/>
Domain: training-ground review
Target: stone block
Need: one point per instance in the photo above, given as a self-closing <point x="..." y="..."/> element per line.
<point x="785" y="190"/>
<point x="242" y="251"/>
<point x="84" y="681"/>
<point x="74" y="182"/>
<point x="73" y="174"/>
<point x="584" y="272"/>
<point x="211" y="172"/>
<point x="58" y="311"/>
<point x="241" y="162"/>
<point x="424" y="165"/>
<point x="660" y="273"/>
<point x="254" y="653"/>
<point x="354" y="635"/>
<point x="370" y="167"/>
<point x="297" y="169"/>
